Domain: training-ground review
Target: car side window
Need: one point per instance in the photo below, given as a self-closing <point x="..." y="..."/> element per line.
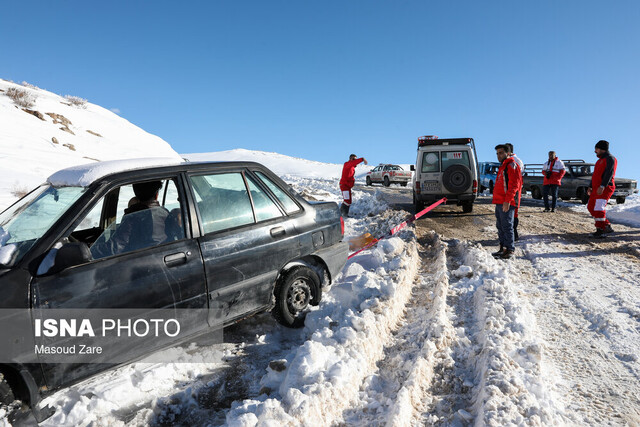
<point x="223" y="201"/>
<point x="289" y="205"/>
<point x="120" y="222"/>
<point x="430" y="162"/>
<point x="263" y="206"/>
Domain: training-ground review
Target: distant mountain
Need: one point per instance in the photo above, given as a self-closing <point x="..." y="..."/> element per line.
<point x="279" y="163"/>
<point x="41" y="132"/>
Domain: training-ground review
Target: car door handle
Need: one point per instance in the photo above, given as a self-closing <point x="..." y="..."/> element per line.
<point x="175" y="259"/>
<point x="278" y="231"/>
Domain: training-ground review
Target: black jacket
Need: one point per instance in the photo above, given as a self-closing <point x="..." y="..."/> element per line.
<point x="143" y="225"/>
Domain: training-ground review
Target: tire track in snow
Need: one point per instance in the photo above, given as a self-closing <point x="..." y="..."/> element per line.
<point x="591" y="331"/>
<point x="398" y="391"/>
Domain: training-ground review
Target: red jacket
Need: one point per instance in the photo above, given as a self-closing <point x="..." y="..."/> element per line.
<point x="348" y="172"/>
<point x="604" y="172"/>
<point x="508" y="182"/>
<point x="556" y="166"/>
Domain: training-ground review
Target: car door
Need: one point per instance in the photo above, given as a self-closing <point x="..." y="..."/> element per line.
<point x="165" y="274"/>
<point x="247" y="238"/>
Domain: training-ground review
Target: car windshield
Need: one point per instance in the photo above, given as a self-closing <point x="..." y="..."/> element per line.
<point x="25" y="222"/>
<point x="582" y="170"/>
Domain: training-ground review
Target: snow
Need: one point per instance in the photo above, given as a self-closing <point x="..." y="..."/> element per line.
<point x="83" y="175"/>
<point x="28" y="153"/>
<point x="414" y="331"/>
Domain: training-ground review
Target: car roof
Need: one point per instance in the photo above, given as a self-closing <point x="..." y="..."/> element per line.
<point x="85" y="175"/>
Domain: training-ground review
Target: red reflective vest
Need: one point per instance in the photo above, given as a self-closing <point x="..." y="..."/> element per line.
<point x="604" y="172"/>
<point x="556" y="166"/>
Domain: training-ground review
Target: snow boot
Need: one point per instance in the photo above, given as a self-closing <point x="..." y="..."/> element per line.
<point x="608" y="229"/>
<point x="508" y="253"/>
<point x="599" y="233"/>
<point x="499" y="253"/>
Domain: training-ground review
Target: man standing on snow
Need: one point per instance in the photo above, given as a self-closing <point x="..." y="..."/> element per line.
<point x="508" y="183"/>
<point x="552" y="171"/>
<point x="602" y="187"/>
<point x="516" y="219"/>
<point x="348" y="180"/>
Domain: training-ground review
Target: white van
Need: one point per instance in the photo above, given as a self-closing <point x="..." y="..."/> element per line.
<point x="445" y="168"/>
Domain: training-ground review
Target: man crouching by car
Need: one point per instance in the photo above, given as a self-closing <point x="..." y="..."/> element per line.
<point x="508" y="182"/>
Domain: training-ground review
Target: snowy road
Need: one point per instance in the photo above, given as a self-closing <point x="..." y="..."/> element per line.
<point x="425" y="329"/>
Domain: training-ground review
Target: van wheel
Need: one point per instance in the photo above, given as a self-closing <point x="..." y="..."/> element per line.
<point x="620" y="200"/>
<point x="417" y="204"/>
<point x="467" y="207"/>
<point x="386" y="182"/>
<point x="294" y="292"/>
<point x="536" y="193"/>
<point x="368" y="180"/>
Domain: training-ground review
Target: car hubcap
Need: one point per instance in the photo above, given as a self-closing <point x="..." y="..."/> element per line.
<point x="298" y="296"/>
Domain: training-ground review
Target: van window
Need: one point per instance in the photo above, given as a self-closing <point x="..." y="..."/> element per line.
<point x="455" y="158"/>
<point x="430" y="162"/>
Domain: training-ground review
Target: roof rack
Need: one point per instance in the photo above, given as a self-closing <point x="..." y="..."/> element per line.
<point x="574" y="161"/>
<point x="434" y="140"/>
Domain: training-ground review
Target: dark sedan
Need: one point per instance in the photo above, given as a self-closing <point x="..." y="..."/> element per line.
<point x="219" y="241"/>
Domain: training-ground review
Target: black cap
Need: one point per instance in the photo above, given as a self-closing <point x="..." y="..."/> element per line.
<point x="603" y="145"/>
<point x="352" y="155"/>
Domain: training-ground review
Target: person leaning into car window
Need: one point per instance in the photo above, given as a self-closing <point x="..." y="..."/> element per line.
<point x="143" y="224"/>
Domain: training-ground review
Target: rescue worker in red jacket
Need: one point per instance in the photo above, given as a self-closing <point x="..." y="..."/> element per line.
<point x="516" y="219"/>
<point x="602" y="188"/>
<point x="552" y="173"/>
<point x="508" y="183"/>
<point x="348" y="180"/>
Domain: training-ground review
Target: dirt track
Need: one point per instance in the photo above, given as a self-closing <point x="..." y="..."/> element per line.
<point x="479" y="225"/>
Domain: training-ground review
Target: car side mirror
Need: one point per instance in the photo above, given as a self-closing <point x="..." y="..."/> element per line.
<point x="412" y="168"/>
<point x="69" y="255"/>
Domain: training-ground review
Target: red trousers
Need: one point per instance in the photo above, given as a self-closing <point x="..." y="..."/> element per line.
<point x="346" y="194"/>
<point x="597" y="204"/>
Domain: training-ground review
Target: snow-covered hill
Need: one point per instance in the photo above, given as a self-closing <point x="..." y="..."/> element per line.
<point x="280" y="164"/>
<point x="54" y="133"/>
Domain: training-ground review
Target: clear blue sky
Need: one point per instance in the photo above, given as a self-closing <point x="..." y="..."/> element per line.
<point x="322" y="79"/>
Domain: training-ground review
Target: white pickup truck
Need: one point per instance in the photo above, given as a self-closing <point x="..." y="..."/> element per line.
<point x="388" y="174"/>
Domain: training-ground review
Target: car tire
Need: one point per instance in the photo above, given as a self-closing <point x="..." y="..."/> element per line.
<point x="583" y="195"/>
<point x="457" y="179"/>
<point x="620" y="200"/>
<point x="536" y="193"/>
<point x="386" y="181"/>
<point x="404" y="184"/>
<point x="294" y="292"/>
<point x="417" y="204"/>
<point x="467" y="207"/>
<point x="368" y="180"/>
<point x="6" y="394"/>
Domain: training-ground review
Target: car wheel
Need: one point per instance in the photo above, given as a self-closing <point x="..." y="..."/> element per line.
<point x="536" y="193"/>
<point x="490" y="187"/>
<point x="294" y="292"/>
<point x="404" y="184"/>
<point x="467" y="207"/>
<point x="583" y="196"/>
<point x="457" y="179"/>
<point x="368" y="180"/>
<point x="417" y="204"/>
<point x="386" y="182"/>
<point x="6" y="394"/>
<point x="620" y="200"/>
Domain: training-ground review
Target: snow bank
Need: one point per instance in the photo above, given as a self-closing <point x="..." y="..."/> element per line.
<point x="512" y="388"/>
<point x="348" y="332"/>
